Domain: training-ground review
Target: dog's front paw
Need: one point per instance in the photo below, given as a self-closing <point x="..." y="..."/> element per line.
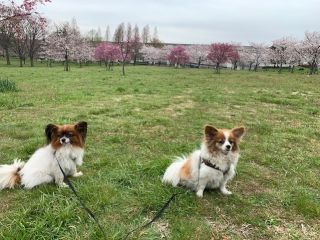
<point x="63" y="185"/>
<point x="78" y="174"/>
<point x="226" y="192"/>
<point x="200" y="193"/>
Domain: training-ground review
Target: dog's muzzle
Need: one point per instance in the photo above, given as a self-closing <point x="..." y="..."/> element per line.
<point x="64" y="140"/>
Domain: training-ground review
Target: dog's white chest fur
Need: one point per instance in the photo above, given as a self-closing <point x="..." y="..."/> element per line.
<point x="69" y="157"/>
<point x="43" y="167"/>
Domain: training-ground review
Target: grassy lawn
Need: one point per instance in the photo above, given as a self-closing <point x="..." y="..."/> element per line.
<point x="138" y="124"/>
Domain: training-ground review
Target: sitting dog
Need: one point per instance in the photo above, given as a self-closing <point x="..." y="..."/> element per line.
<point x="65" y="143"/>
<point x="212" y="166"/>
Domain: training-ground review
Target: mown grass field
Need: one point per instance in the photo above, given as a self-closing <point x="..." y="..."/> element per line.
<point x="138" y="124"/>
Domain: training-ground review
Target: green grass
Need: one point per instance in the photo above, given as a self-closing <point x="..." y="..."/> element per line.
<point x="138" y="124"/>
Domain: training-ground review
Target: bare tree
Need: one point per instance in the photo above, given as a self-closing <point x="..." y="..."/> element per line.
<point x="97" y="37"/>
<point x="107" y="36"/>
<point x="129" y="31"/>
<point x="118" y="35"/>
<point x="137" y="44"/>
<point x="145" y="34"/>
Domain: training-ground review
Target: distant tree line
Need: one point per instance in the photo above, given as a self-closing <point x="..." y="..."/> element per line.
<point x="26" y="34"/>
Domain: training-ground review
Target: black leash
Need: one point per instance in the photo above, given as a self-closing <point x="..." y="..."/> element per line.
<point x="91" y="214"/>
<point x="156" y="217"/>
<point x="160" y="212"/>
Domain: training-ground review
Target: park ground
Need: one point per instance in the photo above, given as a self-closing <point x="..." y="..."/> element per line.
<point x="139" y="123"/>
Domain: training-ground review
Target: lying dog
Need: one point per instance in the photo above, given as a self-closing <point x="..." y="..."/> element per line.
<point x="210" y="167"/>
<point x="65" y="144"/>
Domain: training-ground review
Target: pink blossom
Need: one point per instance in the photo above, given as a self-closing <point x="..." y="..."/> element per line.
<point x="178" y="55"/>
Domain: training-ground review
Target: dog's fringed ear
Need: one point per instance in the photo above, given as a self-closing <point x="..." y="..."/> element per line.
<point x="210" y="132"/>
<point x="49" y="131"/>
<point x="81" y="128"/>
<point x="238" y="132"/>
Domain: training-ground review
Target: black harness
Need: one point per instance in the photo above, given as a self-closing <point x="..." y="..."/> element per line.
<point x="212" y="165"/>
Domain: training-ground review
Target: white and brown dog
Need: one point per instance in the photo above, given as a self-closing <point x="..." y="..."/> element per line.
<point x="210" y="167"/>
<point x="65" y="144"/>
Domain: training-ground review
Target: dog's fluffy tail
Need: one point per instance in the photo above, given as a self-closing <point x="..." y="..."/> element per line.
<point x="9" y="174"/>
<point x="172" y="174"/>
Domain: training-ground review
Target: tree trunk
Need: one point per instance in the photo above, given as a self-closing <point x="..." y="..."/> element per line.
<point x="218" y="68"/>
<point x="280" y="69"/>
<point x="311" y="68"/>
<point x="66" y="62"/>
<point x="31" y="61"/>
<point x="235" y="66"/>
<point x="292" y="68"/>
<point x="7" y="56"/>
<point x="123" y="73"/>
<point x="21" y="61"/>
<point x="199" y="62"/>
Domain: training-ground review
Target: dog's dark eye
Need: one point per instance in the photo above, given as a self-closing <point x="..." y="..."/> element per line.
<point x="221" y="141"/>
<point x="231" y="142"/>
<point x="69" y="134"/>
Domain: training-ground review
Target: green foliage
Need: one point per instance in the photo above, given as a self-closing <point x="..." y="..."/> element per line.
<point x="138" y="124"/>
<point x="7" y="86"/>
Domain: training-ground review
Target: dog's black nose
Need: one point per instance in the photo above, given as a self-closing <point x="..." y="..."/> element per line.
<point x="228" y="147"/>
<point x="63" y="140"/>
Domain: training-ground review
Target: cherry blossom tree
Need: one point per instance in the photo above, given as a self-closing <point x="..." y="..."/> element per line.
<point x="12" y="20"/>
<point x="9" y="10"/>
<point x="178" y="56"/>
<point x="6" y="38"/>
<point x="259" y="54"/>
<point x="35" y="34"/>
<point x="246" y="57"/>
<point x="219" y="53"/>
<point x="280" y="51"/>
<point x="310" y="50"/>
<point x="198" y="53"/>
<point x="151" y="54"/>
<point x="83" y="52"/>
<point x="63" y="42"/>
<point x="107" y="53"/>
<point x="234" y="57"/>
<point x="123" y="38"/>
<point x="294" y="57"/>
<point x="154" y="54"/>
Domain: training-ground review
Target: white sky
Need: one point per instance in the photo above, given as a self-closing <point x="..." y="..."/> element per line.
<point x="195" y="21"/>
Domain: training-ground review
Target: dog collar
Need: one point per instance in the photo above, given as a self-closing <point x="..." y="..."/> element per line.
<point x="209" y="164"/>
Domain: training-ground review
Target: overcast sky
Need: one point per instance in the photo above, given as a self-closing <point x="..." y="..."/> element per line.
<point x="195" y="21"/>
